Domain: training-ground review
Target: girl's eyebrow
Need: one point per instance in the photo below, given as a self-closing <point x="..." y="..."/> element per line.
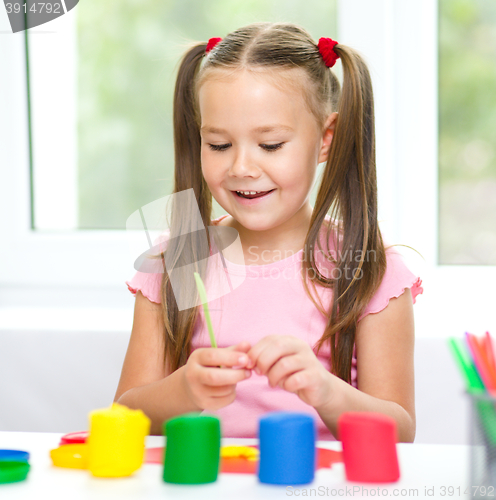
<point x="262" y="129"/>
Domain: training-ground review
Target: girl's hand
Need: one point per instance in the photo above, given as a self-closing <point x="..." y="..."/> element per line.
<point x="211" y="374"/>
<point x="290" y="363"/>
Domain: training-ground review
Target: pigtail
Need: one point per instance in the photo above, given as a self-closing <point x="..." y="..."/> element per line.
<point x="349" y="191"/>
<point x="187" y="142"/>
<point x="188" y="244"/>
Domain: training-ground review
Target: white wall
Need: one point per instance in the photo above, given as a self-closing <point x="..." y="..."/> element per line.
<point x="51" y="380"/>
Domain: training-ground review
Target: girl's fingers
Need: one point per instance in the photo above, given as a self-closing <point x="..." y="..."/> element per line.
<point x="241" y="347"/>
<point x="294" y="382"/>
<point x="218" y="377"/>
<point x="257" y="349"/>
<point x="265" y="355"/>
<point x="283" y="368"/>
<point x="222" y="357"/>
<point x="221" y="391"/>
<point x="214" y="398"/>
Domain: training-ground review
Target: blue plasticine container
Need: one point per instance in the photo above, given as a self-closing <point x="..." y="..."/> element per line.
<point x="15" y="455"/>
<point x="287" y="448"/>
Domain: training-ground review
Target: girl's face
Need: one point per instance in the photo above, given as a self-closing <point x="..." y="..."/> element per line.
<point x="257" y="137"/>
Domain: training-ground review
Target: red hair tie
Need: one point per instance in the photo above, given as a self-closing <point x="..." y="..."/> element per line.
<point x="326" y="49"/>
<point x="212" y="42"/>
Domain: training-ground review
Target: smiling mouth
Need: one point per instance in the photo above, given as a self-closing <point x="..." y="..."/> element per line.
<point x="252" y="196"/>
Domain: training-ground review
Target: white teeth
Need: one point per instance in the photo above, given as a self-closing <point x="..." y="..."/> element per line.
<point x="249" y="192"/>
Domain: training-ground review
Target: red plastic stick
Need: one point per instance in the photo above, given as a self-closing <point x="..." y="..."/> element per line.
<point x="481" y="363"/>
<point x="490" y="351"/>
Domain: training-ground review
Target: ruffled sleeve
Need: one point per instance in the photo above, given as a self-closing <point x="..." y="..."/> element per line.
<point x="149" y="283"/>
<point x="396" y="279"/>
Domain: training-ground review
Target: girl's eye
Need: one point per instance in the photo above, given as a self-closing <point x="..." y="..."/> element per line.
<point x="272" y="147"/>
<point x="220" y="147"/>
<point x="267" y="147"/>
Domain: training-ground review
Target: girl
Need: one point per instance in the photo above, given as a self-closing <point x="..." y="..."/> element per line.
<point x="257" y="112"/>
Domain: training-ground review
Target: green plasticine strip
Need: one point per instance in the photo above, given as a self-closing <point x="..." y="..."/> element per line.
<point x="474" y="387"/>
<point x="203" y="297"/>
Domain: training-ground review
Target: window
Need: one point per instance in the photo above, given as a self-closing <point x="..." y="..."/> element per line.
<point x="105" y="130"/>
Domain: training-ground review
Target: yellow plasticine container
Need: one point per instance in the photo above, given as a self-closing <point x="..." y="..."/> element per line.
<point x="116" y="442"/>
<point x="73" y="456"/>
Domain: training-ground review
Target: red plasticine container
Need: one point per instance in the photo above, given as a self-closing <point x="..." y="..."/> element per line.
<point x="74" y="438"/>
<point x="369" y="447"/>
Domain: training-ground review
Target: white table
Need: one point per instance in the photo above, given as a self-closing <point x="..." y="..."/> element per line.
<point x="422" y="466"/>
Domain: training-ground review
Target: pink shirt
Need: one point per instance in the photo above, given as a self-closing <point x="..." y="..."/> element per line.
<point x="272" y="300"/>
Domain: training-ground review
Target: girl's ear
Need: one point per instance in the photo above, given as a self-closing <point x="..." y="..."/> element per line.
<point x="329" y="127"/>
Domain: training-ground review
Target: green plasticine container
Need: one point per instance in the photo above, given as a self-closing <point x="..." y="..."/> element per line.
<point x="192" y="453"/>
<point x="12" y="471"/>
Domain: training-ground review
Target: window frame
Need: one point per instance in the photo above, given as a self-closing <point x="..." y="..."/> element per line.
<point x="44" y="259"/>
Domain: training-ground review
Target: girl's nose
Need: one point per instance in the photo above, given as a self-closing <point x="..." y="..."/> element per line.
<point x="243" y="165"/>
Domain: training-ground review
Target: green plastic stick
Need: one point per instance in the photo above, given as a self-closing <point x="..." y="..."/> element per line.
<point x="204" y="299"/>
<point x="473" y="382"/>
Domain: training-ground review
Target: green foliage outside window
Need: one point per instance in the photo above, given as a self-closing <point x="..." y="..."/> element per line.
<point x="128" y="57"/>
<point x="467" y="132"/>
